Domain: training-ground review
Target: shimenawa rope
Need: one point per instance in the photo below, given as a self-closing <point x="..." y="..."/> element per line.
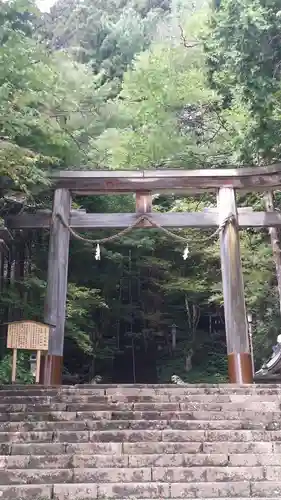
<point x="227" y="220"/>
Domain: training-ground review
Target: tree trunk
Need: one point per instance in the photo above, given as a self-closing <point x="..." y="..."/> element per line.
<point x="19" y="277"/>
<point x="274" y="238"/>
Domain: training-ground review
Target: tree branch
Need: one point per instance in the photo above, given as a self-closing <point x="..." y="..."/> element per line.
<point x="186" y="43"/>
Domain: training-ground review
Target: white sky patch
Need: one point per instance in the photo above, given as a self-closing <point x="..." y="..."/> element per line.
<point x="45" y="5"/>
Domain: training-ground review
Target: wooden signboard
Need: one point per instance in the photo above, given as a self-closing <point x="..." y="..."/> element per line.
<point x="28" y="335"/>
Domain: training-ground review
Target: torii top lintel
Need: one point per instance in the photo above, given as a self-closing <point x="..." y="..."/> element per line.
<point x="169" y="180"/>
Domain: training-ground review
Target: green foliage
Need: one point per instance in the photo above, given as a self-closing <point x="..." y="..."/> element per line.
<point x="38" y="90"/>
<point x="247" y="72"/>
<point x="80" y="325"/>
<point x="209" y="366"/>
<point x="164" y="96"/>
<point x="106" y="34"/>
<point x="24" y="375"/>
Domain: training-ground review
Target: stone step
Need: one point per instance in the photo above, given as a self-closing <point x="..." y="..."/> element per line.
<point x="186" y="447"/>
<point x="139" y="448"/>
<point x="263" y="406"/>
<point x="169" y="386"/>
<point x="111" y="425"/>
<point x="68" y="461"/>
<point x="239" y="447"/>
<point x="135" y="436"/>
<point x="250" y="419"/>
<point x="186" y="490"/>
<point x="79" y="492"/>
<point x="63" y="416"/>
<point x="142" y="442"/>
<point x="141" y="474"/>
<point x="139" y="389"/>
<point x="91" y="399"/>
<point x="210" y="437"/>
<point x="37" y="492"/>
<point x="159" y="490"/>
<point x="199" y="460"/>
<point x="41" y="416"/>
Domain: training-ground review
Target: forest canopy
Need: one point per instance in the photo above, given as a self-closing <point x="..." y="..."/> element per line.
<point x="138" y="84"/>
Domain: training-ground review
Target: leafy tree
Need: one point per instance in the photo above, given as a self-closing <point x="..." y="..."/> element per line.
<point x="37" y="92"/>
<point x="246" y="76"/>
<point x="107" y="34"/>
<point x="165" y="96"/>
<point x="246" y="72"/>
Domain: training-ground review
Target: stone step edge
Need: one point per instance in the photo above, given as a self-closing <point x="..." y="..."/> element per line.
<point x="140" y="386"/>
<point x="139" y="435"/>
<point x="153" y="475"/>
<point x="135" y="448"/>
<point x="258" y="473"/>
<point x="114" y="411"/>
<point x="109" y="415"/>
<point x="137" y="398"/>
<point x="140" y="460"/>
<point x="59" y="492"/>
<point x="172" y="403"/>
<point x="103" y="425"/>
<point x="149" y="491"/>
<point x="181" y="405"/>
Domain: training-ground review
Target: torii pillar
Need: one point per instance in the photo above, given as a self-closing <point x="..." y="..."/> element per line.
<point x="237" y="338"/>
<point x="55" y="302"/>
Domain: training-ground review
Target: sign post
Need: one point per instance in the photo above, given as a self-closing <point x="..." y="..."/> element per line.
<point x="28" y="335"/>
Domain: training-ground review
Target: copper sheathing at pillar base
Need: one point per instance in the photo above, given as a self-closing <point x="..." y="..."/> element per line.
<point x="51" y="370"/>
<point x="240" y="368"/>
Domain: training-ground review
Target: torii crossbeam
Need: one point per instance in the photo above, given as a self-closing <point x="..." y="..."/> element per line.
<point x="224" y="182"/>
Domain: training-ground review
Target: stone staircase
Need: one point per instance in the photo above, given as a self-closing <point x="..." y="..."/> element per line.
<point x="143" y="442"/>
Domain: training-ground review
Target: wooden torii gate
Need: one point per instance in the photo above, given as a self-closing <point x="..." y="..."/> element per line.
<point x="224" y="182"/>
